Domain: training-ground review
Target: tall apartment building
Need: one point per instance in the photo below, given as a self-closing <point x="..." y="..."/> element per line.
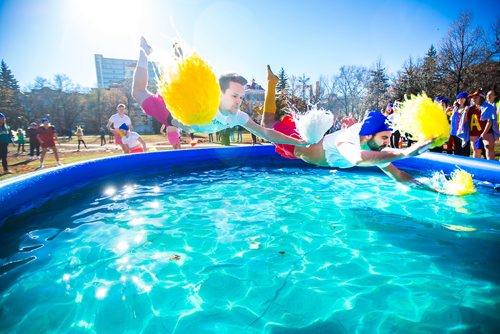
<point x="112" y="70"/>
<point x="113" y="73"/>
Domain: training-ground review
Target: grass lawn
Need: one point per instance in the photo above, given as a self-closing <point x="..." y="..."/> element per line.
<point x="20" y="164"/>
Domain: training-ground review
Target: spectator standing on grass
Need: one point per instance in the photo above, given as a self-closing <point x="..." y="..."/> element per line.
<point x="460" y="109"/>
<point x="115" y="121"/>
<point x="21" y="140"/>
<point x="172" y="135"/>
<point x="102" y="133"/>
<point x="478" y="126"/>
<point x="79" y="135"/>
<point x="47" y="136"/>
<point x="34" y="143"/>
<point x="5" y="140"/>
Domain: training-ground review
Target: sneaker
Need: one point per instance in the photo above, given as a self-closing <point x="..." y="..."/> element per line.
<point x="59" y="163"/>
<point x="41" y="165"/>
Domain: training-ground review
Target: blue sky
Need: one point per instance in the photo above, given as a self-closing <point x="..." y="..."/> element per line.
<point x="314" y="37"/>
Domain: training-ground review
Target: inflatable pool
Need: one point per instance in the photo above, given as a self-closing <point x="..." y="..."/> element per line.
<point x="241" y="240"/>
<point x="20" y="193"/>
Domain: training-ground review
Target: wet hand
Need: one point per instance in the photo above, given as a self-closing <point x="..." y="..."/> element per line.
<point x="419" y="148"/>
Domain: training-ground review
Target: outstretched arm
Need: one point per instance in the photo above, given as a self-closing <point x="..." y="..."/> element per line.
<point x="403" y="177"/>
<point x="374" y="158"/>
<point x="398" y="174"/>
<point x="272" y="135"/>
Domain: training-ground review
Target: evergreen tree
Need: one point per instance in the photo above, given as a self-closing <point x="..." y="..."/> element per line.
<point x="281" y="94"/>
<point x="429" y="75"/>
<point x="283" y="81"/>
<point x="408" y="80"/>
<point x="11" y="98"/>
<point x="377" y="88"/>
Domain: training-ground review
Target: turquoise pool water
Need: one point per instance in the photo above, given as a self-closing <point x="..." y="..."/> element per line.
<point x="253" y="250"/>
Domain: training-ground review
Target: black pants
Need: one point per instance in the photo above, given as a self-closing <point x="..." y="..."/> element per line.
<point x="81" y="141"/>
<point x="103" y="140"/>
<point x="34" y="146"/>
<point x="458" y="149"/>
<point x="254" y="139"/>
<point x="19" y="146"/>
<point x="3" y="155"/>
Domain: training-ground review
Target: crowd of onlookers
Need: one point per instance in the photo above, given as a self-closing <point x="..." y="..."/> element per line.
<point x="474" y="119"/>
<point x="42" y="137"/>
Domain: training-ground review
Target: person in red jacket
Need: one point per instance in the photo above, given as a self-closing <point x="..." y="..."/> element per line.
<point x="47" y="137"/>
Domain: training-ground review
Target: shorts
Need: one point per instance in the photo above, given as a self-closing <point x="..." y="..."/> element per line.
<point x="173" y="137"/>
<point x="48" y="144"/>
<point x="137" y="149"/>
<point x="155" y="107"/>
<point x="287" y="127"/>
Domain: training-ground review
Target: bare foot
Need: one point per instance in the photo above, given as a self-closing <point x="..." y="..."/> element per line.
<point x="270" y="75"/>
<point x="145" y="46"/>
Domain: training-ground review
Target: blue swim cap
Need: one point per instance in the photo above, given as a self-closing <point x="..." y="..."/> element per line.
<point x="124" y="127"/>
<point x="462" y="94"/>
<point x="2" y="115"/>
<point x="45" y="119"/>
<point x="374" y="122"/>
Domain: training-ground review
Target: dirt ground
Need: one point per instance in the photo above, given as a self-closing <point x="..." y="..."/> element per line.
<point x="68" y="151"/>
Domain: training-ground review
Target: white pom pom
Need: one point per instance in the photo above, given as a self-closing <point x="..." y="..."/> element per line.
<point x="313" y="125"/>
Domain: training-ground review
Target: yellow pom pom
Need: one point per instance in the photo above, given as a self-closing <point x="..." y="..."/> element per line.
<point x="423" y="119"/>
<point x="460" y="183"/>
<point x="191" y="91"/>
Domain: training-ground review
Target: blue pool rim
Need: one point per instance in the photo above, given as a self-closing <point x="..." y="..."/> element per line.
<point x="27" y="191"/>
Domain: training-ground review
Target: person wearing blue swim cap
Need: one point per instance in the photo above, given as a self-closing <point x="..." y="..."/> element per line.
<point x="131" y="140"/>
<point x="361" y="144"/>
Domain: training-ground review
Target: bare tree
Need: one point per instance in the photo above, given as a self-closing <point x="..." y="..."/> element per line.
<point x="494" y="42"/>
<point x="463" y="47"/>
<point x="304" y="84"/>
<point x="293" y="89"/>
<point x="349" y="87"/>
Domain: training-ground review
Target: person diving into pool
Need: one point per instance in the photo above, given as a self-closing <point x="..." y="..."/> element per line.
<point x="228" y="115"/>
<point x="362" y="144"/>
